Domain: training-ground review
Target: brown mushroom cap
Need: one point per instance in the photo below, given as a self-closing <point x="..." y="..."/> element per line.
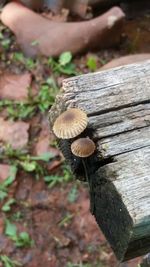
<point x="70" y="123"/>
<point x="83" y="147"/>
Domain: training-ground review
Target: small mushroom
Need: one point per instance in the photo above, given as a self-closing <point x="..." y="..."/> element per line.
<point x="70" y="123"/>
<point x="83" y="148"/>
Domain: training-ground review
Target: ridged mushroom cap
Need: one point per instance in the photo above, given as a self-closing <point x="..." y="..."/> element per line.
<point x="70" y="123"/>
<point x="83" y="147"/>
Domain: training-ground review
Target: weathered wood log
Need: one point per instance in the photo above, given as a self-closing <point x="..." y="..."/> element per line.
<point x="117" y="102"/>
<point x="146" y="261"/>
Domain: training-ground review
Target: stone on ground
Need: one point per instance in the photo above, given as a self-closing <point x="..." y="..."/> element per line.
<point x="4" y="172"/>
<point x="14" y="87"/>
<point x="45" y="140"/>
<point x="44" y="145"/>
<point x="38" y="35"/>
<point x="14" y="133"/>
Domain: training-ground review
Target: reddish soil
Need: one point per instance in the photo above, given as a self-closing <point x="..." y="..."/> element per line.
<point x="65" y="234"/>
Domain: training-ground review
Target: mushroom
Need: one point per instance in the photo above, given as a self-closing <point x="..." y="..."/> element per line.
<point x="70" y="123"/>
<point x="83" y="148"/>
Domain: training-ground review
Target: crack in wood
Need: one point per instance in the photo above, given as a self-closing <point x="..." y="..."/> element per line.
<point x="117" y="102"/>
<point x="101" y="112"/>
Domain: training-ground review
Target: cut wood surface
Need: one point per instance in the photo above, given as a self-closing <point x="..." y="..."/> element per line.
<point x="117" y="102"/>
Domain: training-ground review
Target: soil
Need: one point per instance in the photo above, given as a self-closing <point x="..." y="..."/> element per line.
<point x="57" y="218"/>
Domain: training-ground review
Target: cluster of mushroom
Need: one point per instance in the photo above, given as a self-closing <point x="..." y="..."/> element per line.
<point x="71" y="124"/>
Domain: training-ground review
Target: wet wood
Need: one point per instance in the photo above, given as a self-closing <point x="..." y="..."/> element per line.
<point x="117" y="102"/>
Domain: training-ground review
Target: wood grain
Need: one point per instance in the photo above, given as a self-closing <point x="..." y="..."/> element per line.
<point x="117" y="102"/>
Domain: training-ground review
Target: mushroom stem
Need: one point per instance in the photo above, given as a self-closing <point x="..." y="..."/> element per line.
<point x="89" y="185"/>
<point x="83" y="148"/>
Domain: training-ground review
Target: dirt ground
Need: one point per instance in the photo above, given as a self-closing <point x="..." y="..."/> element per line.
<point x="39" y="196"/>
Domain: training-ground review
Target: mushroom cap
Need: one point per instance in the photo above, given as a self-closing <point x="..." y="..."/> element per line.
<point x="83" y="147"/>
<point x="70" y="123"/>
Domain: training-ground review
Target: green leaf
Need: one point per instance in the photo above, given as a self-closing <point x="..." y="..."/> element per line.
<point x="24" y="236"/>
<point x="20" y="110"/>
<point x="1" y="36"/>
<point x="23" y="240"/>
<point x="51" y="63"/>
<point x="35" y="42"/>
<point x="4" y="185"/>
<point x="49" y="178"/>
<point x="46" y="97"/>
<point x="91" y="63"/>
<point x="73" y="194"/>
<point x="3" y="195"/>
<point x="6" y="43"/>
<point x="7" y="206"/>
<point x="69" y="69"/>
<point x="67" y="174"/>
<point x="8" y="262"/>
<point x="66" y="220"/>
<point x="28" y="166"/>
<point x="44" y="157"/>
<point x="11" y="177"/>
<point x="18" y="57"/>
<point x="30" y="64"/>
<point x="17" y="216"/>
<point x="10" y="229"/>
<point x="52" y="83"/>
<point x="65" y="58"/>
<point x="53" y="180"/>
<point x="63" y="65"/>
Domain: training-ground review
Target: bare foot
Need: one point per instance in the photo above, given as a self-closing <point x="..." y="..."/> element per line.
<point x="38" y="35"/>
<point x="126" y="60"/>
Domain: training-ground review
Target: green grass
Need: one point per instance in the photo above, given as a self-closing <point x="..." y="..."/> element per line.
<point x="21" y="239"/>
<point x="63" y="65"/>
<point x="28" y="63"/>
<point x="73" y="194"/>
<point x="8" y="262"/>
<point x="17" y="216"/>
<point x="53" y="180"/>
<point x="48" y="89"/>
<point x="21" y="159"/>
<point x="33" y="164"/>
<point x="91" y="63"/>
<point x="69" y="264"/>
<point x="8" y="204"/>
<point x="41" y="103"/>
<point x="4" y="186"/>
<point x="66" y="220"/>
